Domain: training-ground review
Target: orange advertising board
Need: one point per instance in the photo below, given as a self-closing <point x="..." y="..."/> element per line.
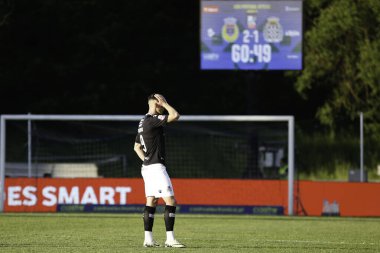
<point x="354" y="199"/>
<point x="44" y="194"/>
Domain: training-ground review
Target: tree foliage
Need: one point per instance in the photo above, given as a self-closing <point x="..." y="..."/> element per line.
<point x="342" y="61"/>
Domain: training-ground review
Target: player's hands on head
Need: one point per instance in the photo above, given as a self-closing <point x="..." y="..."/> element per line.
<point x="160" y="98"/>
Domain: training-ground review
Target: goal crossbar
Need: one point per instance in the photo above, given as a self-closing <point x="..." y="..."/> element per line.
<point x="231" y="118"/>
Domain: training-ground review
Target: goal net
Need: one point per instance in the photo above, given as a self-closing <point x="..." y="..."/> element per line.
<point x="239" y="147"/>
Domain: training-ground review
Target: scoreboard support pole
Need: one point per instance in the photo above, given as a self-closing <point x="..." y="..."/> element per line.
<point x="291" y="166"/>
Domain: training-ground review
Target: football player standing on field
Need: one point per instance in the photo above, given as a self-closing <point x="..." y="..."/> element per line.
<point x="150" y="147"/>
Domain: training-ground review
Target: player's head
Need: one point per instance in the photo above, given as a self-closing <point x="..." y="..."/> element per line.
<point x="152" y="97"/>
<point x="153" y="104"/>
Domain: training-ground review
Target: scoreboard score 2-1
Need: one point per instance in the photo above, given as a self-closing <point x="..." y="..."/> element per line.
<point x="251" y="35"/>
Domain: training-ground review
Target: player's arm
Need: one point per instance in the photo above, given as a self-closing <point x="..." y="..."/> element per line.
<point x="173" y="114"/>
<point x="139" y="151"/>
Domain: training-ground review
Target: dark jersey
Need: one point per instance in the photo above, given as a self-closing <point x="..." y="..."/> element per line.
<point x="150" y="135"/>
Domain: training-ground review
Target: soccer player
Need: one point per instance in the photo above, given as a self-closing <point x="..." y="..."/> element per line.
<point x="150" y="147"/>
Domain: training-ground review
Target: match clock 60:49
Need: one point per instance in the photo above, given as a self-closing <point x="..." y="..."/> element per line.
<point x="251" y="53"/>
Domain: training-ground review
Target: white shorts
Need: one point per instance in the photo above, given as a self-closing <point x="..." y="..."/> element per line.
<point x="156" y="180"/>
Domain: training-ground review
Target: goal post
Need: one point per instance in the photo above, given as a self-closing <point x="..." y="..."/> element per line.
<point x="135" y="118"/>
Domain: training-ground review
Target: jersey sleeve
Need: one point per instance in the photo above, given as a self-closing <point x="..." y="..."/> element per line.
<point x="137" y="139"/>
<point x="158" y="120"/>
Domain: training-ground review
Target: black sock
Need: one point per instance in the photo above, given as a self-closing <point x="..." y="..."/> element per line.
<point x="149" y="217"/>
<point x="169" y="217"/>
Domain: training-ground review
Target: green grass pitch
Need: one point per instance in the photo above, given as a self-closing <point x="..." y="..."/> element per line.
<point x="51" y="233"/>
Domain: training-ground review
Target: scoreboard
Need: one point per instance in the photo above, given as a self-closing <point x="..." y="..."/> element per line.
<point x="251" y="35"/>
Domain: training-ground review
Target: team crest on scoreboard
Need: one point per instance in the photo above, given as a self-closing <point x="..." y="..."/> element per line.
<point x="273" y="31"/>
<point x="230" y="30"/>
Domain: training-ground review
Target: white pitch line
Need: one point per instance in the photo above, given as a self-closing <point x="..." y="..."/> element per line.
<point x="298" y="241"/>
<point x="317" y="242"/>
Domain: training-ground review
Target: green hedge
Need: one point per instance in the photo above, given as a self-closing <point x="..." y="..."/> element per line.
<point x="324" y="156"/>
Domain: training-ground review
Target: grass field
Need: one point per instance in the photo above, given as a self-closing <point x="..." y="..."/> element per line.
<point x="201" y="233"/>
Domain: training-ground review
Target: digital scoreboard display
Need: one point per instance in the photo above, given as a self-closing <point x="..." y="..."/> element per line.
<point x="251" y="35"/>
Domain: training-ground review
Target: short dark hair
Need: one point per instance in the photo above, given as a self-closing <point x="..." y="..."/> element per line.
<point x="151" y="96"/>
